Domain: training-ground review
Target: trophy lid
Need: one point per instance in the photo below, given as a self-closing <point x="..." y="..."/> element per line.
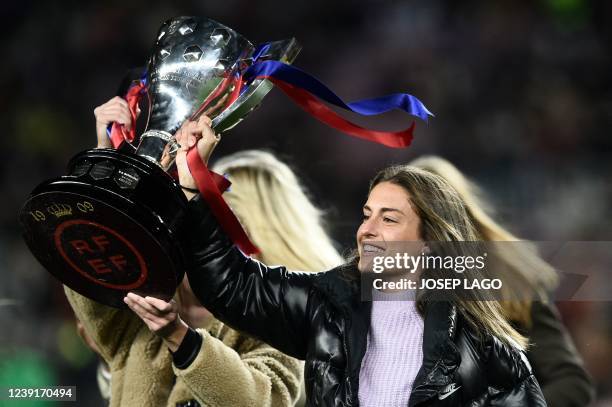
<point x="196" y="68"/>
<point x="192" y="57"/>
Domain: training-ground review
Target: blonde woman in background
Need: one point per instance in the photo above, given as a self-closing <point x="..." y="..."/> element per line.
<point x="556" y="363"/>
<point x="277" y="215"/>
<point x="229" y="368"/>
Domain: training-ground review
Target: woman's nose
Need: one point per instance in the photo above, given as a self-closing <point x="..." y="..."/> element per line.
<point x="368" y="228"/>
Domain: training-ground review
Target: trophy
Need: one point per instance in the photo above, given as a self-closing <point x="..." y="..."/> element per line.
<point x="113" y="223"/>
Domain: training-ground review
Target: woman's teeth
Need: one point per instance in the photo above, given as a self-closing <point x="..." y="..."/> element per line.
<point x="368" y="249"/>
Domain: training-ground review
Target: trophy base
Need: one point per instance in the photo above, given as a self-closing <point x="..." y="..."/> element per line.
<point x="111" y="226"/>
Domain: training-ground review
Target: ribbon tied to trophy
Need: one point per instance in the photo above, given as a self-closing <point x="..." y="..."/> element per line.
<point x="119" y="226"/>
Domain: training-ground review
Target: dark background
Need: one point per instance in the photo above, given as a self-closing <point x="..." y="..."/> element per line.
<point x="521" y="91"/>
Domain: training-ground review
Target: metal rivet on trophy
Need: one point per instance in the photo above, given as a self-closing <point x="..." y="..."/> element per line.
<point x="192" y="53"/>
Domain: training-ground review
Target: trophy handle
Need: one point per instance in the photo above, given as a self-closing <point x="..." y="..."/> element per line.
<point x="285" y="51"/>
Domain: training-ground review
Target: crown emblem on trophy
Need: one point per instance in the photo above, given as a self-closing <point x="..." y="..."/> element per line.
<point x="59" y="210"/>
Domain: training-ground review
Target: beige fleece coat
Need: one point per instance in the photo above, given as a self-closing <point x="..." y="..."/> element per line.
<point x="231" y="369"/>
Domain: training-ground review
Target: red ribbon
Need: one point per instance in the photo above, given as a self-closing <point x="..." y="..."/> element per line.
<point x="321" y="112"/>
<point x="211" y="185"/>
<point x="211" y="193"/>
<point x="220" y="181"/>
<point x="118" y="132"/>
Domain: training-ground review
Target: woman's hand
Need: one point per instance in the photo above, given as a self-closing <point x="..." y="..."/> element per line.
<point x="115" y="110"/>
<point x="161" y="317"/>
<point x="191" y="133"/>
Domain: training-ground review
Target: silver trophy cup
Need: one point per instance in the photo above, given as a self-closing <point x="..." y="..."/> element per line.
<point x="193" y="69"/>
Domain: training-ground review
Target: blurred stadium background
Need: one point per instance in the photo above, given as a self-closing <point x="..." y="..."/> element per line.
<point x="522" y="93"/>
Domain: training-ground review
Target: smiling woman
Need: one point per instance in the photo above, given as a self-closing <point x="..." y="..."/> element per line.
<point x="387" y="217"/>
<point x="409" y="204"/>
<point x="392" y="353"/>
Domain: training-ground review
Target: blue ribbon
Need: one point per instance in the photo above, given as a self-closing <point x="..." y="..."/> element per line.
<point x="260" y="50"/>
<point x="367" y="107"/>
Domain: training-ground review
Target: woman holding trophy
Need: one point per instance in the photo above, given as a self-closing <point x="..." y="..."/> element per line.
<point x="230" y="368"/>
<point x="455" y="352"/>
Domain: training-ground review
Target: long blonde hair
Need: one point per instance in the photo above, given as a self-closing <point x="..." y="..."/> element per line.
<point x="525" y="267"/>
<point x="444" y="218"/>
<point x="276" y="212"/>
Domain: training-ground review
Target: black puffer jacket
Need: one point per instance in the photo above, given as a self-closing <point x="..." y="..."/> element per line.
<point x="320" y="318"/>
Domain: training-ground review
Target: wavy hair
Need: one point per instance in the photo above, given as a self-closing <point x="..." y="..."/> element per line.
<point x="444" y="218"/>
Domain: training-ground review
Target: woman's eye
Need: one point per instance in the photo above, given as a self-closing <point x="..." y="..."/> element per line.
<point x="365" y="217"/>
<point x="389" y="220"/>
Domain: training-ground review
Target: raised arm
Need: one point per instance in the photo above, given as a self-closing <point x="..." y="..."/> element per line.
<point x="270" y="303"/>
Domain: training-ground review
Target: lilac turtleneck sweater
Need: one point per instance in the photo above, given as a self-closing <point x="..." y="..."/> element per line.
<point x="393" y="355"/>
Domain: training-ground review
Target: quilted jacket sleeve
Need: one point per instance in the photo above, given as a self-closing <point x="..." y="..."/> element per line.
<point x="269" y="303"/>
